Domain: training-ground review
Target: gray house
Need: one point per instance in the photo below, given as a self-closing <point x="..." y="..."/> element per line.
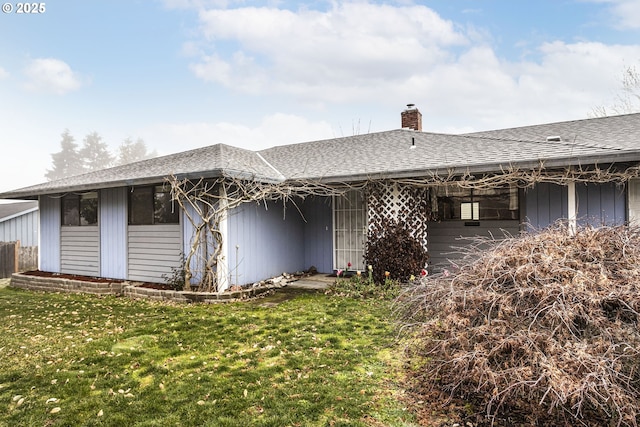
<point x="124" y="223"/>
<point x="19" y="221"/>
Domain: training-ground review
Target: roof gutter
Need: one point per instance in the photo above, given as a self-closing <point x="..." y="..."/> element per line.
<point x="611" y="157"/>
<point x="619" y="157"/>
<point x="26" y="193"/>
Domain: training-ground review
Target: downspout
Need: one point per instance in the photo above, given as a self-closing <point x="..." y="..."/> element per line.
<point x="571" y="207"/>
<point x="39" y="233"/>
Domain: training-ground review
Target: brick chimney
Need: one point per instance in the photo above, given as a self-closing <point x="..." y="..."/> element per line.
<point x="412" y="118"/>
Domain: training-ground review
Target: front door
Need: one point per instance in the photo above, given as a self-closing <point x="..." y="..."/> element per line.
<point x="350" y="230"/>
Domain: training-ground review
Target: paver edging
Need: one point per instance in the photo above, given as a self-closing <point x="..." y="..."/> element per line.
<point x="134" y="290"/>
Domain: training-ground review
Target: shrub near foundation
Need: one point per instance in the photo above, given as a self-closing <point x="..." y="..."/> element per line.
<point x="541" y="329"/>
<point x="391" y="248"/>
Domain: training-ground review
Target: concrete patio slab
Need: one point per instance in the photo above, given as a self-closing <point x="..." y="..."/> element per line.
<point x="317" y="281"/>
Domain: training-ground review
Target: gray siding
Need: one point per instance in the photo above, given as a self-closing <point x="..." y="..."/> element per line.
<point x="49" y="246"/>
<point x="318" y="239"/>
<point x="545" y="204"/>
<point x="23" y="228"/>
<point x="268" y="243"/>
<point x="601" y="204"/>
<point x="446" y="236"/>
<point x="153" y="251"/>
<point x="597" y="204"/>
<point x="634" y="201"/>
<point x="80" y="250"/>
<point x="113" y="233"/>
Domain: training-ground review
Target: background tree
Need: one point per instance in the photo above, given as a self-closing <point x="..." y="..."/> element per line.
<point x="628" y="100"/>
<point x="95" y="153"/>
<point x="67" y="161"/>
<point x="130" y="151"/>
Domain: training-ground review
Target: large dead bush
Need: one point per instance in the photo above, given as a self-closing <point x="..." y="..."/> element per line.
<point x="544" y="325"/>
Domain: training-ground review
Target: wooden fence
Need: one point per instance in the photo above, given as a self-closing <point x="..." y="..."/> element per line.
<point x="15" y="258"/>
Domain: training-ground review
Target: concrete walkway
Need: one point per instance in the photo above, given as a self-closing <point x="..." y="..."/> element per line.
<point x="317" y="281"/>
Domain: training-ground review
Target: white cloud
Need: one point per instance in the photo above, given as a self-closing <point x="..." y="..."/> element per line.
<point x="628" y="13"/>
<point x="275" y="129"/>
<point x="566" y="83"/>
<point x="625" y="13"/>
<point x="3" y="73"/>
<point x="332" y="55"/>
<point x="357" y="53"/>
<point x="50" y="75"/>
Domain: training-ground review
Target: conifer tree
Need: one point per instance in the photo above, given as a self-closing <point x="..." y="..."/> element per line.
<point x="130" y="151"/>
<point x="95" y="153"/>
<point x="67" y="161"/>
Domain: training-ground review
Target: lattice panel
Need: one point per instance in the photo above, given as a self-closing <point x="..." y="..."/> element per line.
<point x="407" y="205"/>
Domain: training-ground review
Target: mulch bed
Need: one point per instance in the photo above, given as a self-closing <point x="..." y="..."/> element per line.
<point x="39" y="273"/>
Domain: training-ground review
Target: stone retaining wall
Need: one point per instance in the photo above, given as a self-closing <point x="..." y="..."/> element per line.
<point x="54" y="284"/>
<point x="137" y="292"/>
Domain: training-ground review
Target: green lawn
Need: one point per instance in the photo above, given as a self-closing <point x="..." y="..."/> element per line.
<point x="313" y="360"/>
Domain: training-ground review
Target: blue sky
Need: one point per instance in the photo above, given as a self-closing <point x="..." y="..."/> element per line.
<point x="182" y="74"/>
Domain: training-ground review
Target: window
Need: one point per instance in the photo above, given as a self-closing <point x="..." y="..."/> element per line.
<point x="80" y="209"/>
<point x="470" y="210"/>
<point x="152" y="205"/>
<point x="456" y="203"/>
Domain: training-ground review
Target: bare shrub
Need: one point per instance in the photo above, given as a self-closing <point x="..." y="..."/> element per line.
<point x="545" y="325"/>
<point x="391" y="248"/>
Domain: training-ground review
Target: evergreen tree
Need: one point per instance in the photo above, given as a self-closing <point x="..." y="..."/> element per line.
<point x="95" y="153"/>
<point x="67" y="161"/>
<point x="130" y="151"/>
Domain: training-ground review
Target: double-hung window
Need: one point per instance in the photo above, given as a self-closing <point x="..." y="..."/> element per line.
<point x="152" y="205"/>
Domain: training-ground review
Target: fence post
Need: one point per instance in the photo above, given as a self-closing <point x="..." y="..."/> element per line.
<point x="7" y="259"/>
<point x="16" y="254"/>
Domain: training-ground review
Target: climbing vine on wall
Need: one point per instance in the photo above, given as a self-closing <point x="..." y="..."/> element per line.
<point x="405" y="201"/>
<point x="206" y="204"/>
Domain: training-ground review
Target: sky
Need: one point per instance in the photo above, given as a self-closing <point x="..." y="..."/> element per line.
<point x="183" y="74"/>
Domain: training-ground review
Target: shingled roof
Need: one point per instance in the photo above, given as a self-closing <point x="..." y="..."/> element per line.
<point x="12" y="210"/>
<point x="211" y="161"/>
<point x="395" y="153"/>
<point x="614" y="132"/>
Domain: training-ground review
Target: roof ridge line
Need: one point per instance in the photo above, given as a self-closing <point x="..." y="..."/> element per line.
<point x="280" y="175"/>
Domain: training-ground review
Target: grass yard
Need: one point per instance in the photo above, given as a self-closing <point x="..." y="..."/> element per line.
<point x="314" y="360"/>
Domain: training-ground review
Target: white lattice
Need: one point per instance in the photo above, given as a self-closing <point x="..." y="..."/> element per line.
<point x="404" y="204"/>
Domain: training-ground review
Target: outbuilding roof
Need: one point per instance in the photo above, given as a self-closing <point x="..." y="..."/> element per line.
<point x="12" y="210"/>
<point x="395" y="153"/>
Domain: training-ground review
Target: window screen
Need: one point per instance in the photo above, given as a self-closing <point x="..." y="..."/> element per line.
<point x="152" y="205"/>
<point x="80" y="209"/>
